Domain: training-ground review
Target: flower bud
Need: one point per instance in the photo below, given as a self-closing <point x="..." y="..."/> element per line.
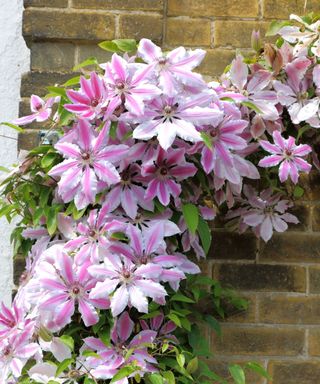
<point x="45" y="334"/>
<point x="256" y="42"/>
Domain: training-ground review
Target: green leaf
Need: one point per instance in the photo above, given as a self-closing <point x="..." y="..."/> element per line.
<point x="13" y="126"/>
<point x="48" y="159"/>
<point x="150" y="315"/>
<point x="90" y="353"/>
<point x="73" y="81"/>
<point x="68" y="341"/>
<point x="237" y="373"/>
<point x="56" y="91"/>
<point x="198" y="343"/>
<point x="258" y="368"/>
<point x="87" y="380"/>
<point x="191" y="216"/>
<point x="182" y="298"/>
<point x="156" y="378"/>
<point x="126" y="45"/>
<point x="173" y="317"/>
<point x="44" y="196"/>
<point x="52" y="221"/>
<point x="122" y="373"/>
<point x="63" y="366"/>
<point x="251" y="106"/>
<point x="206" y="139"/>
<point x="181" y="360"/>
<point x="169" y="376"/>
<point x="109" y="46"/>
<point x="193" y="365"/>
<point x="89" y="61"/>
<point x="214" y="324"/>
<point x="113" y="129"/>
<point x="298" y="191"/>
<point x="205" y="234"/>
<point x="275" y="27"/>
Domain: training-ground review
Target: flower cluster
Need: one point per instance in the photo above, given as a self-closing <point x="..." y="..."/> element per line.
<point x="148" y="152"/>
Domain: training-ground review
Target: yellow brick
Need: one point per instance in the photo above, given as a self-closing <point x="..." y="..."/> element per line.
<point x="281" y="309"/>
<point x="239" y="8"/>
<point x="314" y="342"/>
<point x="281" y="9"/>
<point x="294" y="372"/>
<point x="189" y="32"/>
<point x="236" y="33"/>
<point x="259" y="341"/>
<point x="215" y="62"/>
<point x="141" y="26"/>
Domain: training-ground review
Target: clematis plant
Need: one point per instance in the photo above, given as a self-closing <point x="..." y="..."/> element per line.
<point x="113" y="213"/>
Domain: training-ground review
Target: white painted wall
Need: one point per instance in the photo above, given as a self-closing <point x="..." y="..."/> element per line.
<point x="14" y="61"/>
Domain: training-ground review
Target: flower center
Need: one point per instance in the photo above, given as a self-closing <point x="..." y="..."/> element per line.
<point x="38" y="107"/>
<point x="167" y="109"/>
<point x="163" y="171"/>
<point x="85" y="156"/>
<point x="94" y="102"/>
<point x="288" y="153"/>
<point x="162" y="61"/>
<point x="91" y="233"/>
<point x="120" y="85"/>
<point x="126" y="176"/>
<point x="76" y="290"/>
<point x="7" y="351"/>
<point x="126" y="274"/>
<point x="144" y="259"/>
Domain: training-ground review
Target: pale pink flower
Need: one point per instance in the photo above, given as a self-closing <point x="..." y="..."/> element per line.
<point x="252" y="88"/>
<point x="128" y="87"/>
<point x="129" y="192"/>
<point x="15" y="351"/>
<point x="130" y="284"/>
<point x="91" y="236"/>
<point x="294" y="93"/>
<point x="41" y="110"/>
<point x="64" y="285"/>
<point x="168" y="117"/>
<point x="174" y="69"/>
<point x="288" y="155"/>
<point x="264" y="213"/>
<point x="86" y="163"/>
<point x="112" y="358"/>
<point x="149" y="248"/>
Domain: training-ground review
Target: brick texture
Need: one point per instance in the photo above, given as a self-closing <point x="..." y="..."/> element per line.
<point x="209" y="8"/>
<point x="280" y="279"/>
<point x="41" y="25"/>
<point x="133" y="5"/>
<point x="259" y="341"/>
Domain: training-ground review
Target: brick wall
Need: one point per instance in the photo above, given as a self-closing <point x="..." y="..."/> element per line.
<point x="281" y="279"/>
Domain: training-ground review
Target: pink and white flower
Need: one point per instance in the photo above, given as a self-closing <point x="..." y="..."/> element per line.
<point x="112" y="358"/>
<point x="168" y="117"/>
<point x="128" y="87"/>
<point x="129" y="283"/>
<point x="86" y="163"/>
<point x="41" y="110"/>
<point x="174" y="69"/>
<point x="165" y="170"/>
<point x="264" y="213"/>
<point x="89" y="101"/>
<point x="286" y="153"/>
<point x="66" y="285"/>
